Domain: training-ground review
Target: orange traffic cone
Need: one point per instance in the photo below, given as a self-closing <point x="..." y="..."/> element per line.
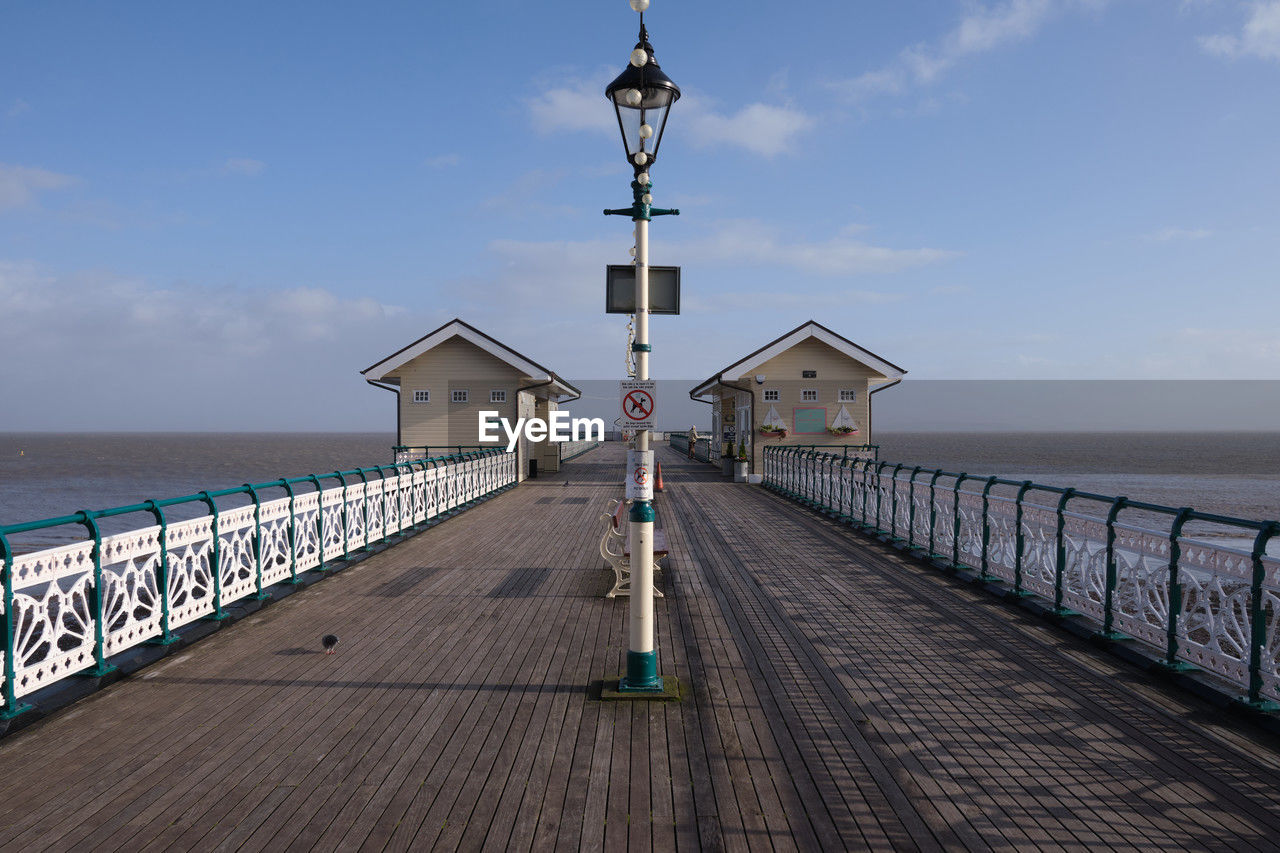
<point x="657" y="487"/>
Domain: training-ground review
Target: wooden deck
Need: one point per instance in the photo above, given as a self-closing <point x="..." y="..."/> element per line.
<point x="838" y="697"/>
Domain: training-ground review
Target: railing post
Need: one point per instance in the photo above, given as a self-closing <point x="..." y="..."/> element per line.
<point x="1108" y="614"/>
<point x="866" y="494"/>
<point x="346" y="521"/>
<point x="893" y="503"/>
<point x="293" y="541"/>
<point x="100" y="666"/>
<point x="955" y="533"/>
<point x="879" y="493"/>
<point x="911" y="508"/>
<point x="933" y="514"/>
<point x="319" y="521"/>
<point x="1060" y="562"/>
<point x="257" y="539"/>
<point x="215" y="558"/>
<point x="1019" y="540"/>
<point x="368" y="534"/>
<point x="166" y="637"/>
<point x="846" y="491"/>
<point x="986" y="529"/>
<point x="1257" y="620"/>
<point x="1171" y="662"/>
<point x="12" y="707"/>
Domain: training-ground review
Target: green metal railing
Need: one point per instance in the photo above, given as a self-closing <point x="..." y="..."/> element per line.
<point x="1201" y="604"/>
<point x="69" y="608"/>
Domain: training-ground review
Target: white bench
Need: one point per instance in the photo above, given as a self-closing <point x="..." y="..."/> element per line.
<point x="615" y="547"/>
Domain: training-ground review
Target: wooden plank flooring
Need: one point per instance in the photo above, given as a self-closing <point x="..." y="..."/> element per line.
<point x="838" y="696"/>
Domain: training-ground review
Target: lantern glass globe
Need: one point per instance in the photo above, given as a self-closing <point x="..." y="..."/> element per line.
<point x="641" y="158"/>
<point x="639" y="57"/>
<point x="643" y="179"/>
<point x="639" y="5"/>
<point x="645" y="131"/>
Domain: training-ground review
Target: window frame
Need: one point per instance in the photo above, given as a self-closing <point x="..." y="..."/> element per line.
<point x="852" y="398"/>
<point x="493" y="395"/>
<point x="466" y="396"/>
<point x="422" y="395"/>
<point x="776" y="398"/>
<point x="814" y="399"/>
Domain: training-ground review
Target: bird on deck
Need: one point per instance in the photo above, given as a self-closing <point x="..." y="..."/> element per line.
<point x="330" y="642"/>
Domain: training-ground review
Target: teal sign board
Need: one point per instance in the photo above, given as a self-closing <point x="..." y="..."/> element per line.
<point x="811" y="420"/>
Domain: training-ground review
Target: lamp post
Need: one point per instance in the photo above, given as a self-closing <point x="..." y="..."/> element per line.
<point x="642" y="96"/>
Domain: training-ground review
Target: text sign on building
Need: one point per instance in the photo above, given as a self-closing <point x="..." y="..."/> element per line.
<point x="639" y="400"/>
<point x="639" y="475"/>
<point x="620" y="289"/>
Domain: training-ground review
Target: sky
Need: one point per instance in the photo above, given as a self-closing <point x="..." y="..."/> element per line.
<point x="213" y="216"/>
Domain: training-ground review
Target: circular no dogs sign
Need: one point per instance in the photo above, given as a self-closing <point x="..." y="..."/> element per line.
<point x="638" y="403"/>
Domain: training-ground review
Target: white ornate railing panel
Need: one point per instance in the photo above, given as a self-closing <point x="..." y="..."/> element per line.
<point x="274" y="553"/>
<point x="1002" y="537"/>
<point x="190" y="546"/>
<point x="1216" y="599"/>
<point x="53" y="634"/>
<point x="1039" y="549"/>
<point x="306" y="531"/>
<point x="970" y="528"/>
<point x="131" y="590"/>
<point x="901" y="508"/>
<point x="333" y="525"/>
<point x="1140" y="602"/>
<point x="1085" y="568"/>
<point x="237" y="565"/>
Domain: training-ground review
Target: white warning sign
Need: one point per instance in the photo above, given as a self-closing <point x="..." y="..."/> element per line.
<point x="639" y="400"/>
<point x="640" y="475"/>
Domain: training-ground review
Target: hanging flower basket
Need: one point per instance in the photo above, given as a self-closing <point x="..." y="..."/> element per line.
<point x="841" y="431"/>
<point x="773" y="432"/>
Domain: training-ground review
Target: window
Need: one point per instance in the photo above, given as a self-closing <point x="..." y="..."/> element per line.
<point x="497" y="396"/>
<point x="809" y="395"/>
<point x="460" y="396"/>
<point x="772" y="396"/>
<point x="422" y="396"/>
<point x="848" y="395"/>
<point x="808" y="374"/>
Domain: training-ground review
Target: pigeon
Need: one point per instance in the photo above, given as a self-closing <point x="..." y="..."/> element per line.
<point x="330" y="642"/>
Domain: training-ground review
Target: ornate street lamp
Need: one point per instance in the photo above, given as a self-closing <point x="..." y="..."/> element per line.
<point x="642" y="97"/>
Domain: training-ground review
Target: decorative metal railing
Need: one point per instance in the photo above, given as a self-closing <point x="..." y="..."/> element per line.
<point x="573" y="449"/>
<point x="405" y="453"/>
<point x="1201" y="604"/>
<point x="702" y="449"/>
<point x="67" y="609"/>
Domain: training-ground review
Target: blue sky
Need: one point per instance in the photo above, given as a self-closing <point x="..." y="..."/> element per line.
<point x="213" y="217"/>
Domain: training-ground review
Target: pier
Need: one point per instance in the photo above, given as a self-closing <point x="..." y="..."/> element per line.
<point x="835" y="694"/>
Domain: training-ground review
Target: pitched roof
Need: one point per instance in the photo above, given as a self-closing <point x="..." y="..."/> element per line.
<point x="457" y="328"/>
<point x="804" y="331"/>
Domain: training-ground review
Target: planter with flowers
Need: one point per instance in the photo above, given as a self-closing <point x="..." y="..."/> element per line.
<point x="841" y="431"/>
<point x="768" y="431"/>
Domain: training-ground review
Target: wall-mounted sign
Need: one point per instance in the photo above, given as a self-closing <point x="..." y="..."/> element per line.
<point x="620" y="289"/>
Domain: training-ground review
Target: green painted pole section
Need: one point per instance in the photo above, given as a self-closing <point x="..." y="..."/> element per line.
<point x="1257" y="622"/>
<point x="933" y="514"/>
<point x="1060" y="564"/>
<point x="955" y="521"/>
<point x="162" y="577"/>
<point x="1175" y="592"/>
<point x="1108" y="618"/>
<point x="215" y="557"/>
<point x="986" y="528"/>
<point x="257" y="541"/>
<point x="99" y="629"/>
<point x="1019" y="541"/>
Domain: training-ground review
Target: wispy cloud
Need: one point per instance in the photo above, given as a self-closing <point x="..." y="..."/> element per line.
<point x="577" y="105"/>
<point x="984" y="28"/>
<point x="1166" y="235"/>
<point x="751" y="243"/>
<point x="238" y="358"/>
<point x="1258" y="37"/>
<point x="245" y="166"/>
<point x="19" y="185"/>
<point x="441" y="161"/>
<point x="17" y="108"/>
<point x="762" y="129"/>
